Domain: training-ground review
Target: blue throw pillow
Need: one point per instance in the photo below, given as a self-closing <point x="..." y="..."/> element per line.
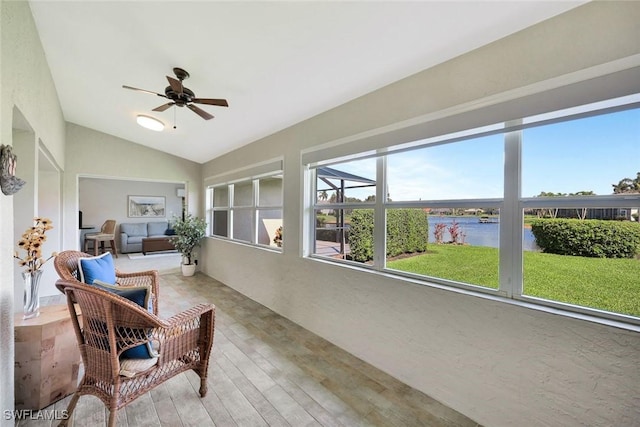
<point x="141" y="295"/>
<point x="97" y="268"/>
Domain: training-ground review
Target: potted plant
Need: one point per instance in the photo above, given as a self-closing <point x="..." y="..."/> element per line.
<point x="188" y="233"/>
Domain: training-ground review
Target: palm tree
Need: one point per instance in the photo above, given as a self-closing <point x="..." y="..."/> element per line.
<point x="627" y="185"/>
<point x="323" y="195"/>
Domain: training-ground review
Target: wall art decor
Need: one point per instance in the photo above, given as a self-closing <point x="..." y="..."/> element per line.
<point x="146" y="207"/>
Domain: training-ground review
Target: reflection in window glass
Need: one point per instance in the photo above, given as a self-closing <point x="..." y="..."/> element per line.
<point x="220" y="221"/>
<point x="243" y="194"/>
<point x="242" y="224"/>
<point x="351" y="182"/>
<point x="461" y="245"/>
<point x="270" y="191"/>
<point x="470" y="169"/>
<point x="220" y="196"/>
<point x="268" y="223"/>
<point x="255" y="213"/>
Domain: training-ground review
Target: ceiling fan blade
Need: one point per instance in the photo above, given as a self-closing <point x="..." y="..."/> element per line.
<point x="200" y="112"/>
<point x="164" y="106"/>
<point x="209" y="101"/>
<point x="175" y="84"/>
<point x="143" y="90"/>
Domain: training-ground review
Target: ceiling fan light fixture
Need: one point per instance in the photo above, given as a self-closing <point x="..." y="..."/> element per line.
<point x="150" y="122"/>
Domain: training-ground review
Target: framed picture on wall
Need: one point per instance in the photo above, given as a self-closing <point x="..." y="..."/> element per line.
<point x="146" y="207"/>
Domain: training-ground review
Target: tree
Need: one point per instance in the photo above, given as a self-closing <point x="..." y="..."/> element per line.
<point x="627" y="185"/>
<point x="323" y="195"/>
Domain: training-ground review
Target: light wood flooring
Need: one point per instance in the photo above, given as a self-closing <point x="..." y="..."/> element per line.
<point x="266" y="371"/>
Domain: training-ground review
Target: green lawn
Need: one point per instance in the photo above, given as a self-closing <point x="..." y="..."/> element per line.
<point x="606" y="284"/>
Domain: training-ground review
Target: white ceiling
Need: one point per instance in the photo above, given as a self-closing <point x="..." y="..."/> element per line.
<point x="277" y="63"/>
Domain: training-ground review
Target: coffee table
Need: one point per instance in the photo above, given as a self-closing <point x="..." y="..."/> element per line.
<point x="156" y="244"/>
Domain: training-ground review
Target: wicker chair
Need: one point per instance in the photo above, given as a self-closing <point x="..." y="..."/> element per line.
<point x="107" y="234"/>
<point x="110" y="324"/>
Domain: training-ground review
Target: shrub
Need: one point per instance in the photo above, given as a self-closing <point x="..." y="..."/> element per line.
<point x="361" y="235"/>
<point x="407" y="232"/>
<point x="588" y="238"/>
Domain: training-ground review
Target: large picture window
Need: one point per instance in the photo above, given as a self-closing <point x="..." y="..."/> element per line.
<point x="543" y="209"/>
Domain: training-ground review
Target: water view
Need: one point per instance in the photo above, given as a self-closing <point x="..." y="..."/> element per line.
<point x="477" y="233"/>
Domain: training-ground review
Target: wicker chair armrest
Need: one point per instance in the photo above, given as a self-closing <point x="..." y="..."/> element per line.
<point x="188" y="332"/>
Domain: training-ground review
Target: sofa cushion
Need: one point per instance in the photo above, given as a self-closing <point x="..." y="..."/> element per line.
<point x="157" y="228"/>
<point x="134" y="229"/>
<point x="135" y="239"/>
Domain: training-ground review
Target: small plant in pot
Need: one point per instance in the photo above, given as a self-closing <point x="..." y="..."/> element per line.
<point x="189" y="231"/>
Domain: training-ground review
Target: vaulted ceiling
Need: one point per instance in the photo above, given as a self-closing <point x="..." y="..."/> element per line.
<point x="277" y="63"/>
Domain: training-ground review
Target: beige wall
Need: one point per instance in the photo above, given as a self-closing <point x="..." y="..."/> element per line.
<point x="25" y="85"/>
<point x="30" y="115"/>
<point x="500" y="363"/>
<point x="119" y="158"/>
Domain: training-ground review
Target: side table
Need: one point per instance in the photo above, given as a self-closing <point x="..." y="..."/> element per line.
<point x="47" y="359"/>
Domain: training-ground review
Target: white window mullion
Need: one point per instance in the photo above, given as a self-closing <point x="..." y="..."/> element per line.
<point x="256" y="197"/>
<point x="230" y="204"/>
<point x="511" y="218"/>
<point x="309" y="212"/>
<point x="379" y="216"/>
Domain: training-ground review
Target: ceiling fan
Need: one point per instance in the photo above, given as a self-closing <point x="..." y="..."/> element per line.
<point x="183" y="96"/>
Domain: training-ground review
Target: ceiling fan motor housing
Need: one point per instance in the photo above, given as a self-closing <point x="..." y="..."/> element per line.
<point x="181" y="99"/>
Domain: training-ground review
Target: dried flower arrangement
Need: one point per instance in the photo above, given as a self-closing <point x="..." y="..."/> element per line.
<point x="31" y="242"/>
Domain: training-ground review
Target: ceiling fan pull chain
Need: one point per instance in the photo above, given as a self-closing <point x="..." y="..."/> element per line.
<point x="174" y="116"/>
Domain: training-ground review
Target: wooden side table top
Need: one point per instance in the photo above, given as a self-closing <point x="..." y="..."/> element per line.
<point x="48" y="314"/>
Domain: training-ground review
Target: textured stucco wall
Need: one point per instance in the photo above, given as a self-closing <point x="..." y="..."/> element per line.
<point x="501" y="364"/>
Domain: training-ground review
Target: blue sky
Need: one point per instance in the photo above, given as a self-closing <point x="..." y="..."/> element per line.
<point x="589" y="154"/>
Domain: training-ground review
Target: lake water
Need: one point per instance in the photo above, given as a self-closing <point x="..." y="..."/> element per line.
<point x="476" y="233"/>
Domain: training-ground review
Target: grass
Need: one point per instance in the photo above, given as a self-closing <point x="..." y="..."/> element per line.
<point x="601" y="283"/>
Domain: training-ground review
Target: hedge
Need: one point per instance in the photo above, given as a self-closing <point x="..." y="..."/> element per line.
<point x="407" y="232"/>
<point x="589" y="238"/>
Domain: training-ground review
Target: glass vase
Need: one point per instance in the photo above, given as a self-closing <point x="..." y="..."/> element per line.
<point x="31" y="290"/>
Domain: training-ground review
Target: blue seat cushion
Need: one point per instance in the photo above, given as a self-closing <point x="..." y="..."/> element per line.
<point x="97" y="268"/>
<point x="140" y="295"/>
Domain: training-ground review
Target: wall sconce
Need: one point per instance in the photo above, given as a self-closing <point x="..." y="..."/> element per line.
<point x="150" y="122"/>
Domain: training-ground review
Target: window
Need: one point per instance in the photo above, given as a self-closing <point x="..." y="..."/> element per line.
<point x="570" y="171"/>
<point x="247" y="210"/>
<point x="338" y="194"/>
<point x="544" y="209"/>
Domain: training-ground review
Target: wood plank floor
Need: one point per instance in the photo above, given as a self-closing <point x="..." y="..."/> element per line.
<point x="266" y="371"/>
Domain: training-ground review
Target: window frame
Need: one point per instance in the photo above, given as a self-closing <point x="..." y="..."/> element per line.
<point x="512" y="207"/>
<point x="255" y="207"/>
